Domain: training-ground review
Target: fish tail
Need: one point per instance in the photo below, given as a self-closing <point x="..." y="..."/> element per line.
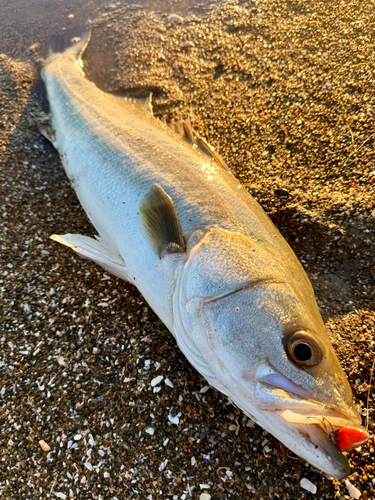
<point x="74" y="40"/>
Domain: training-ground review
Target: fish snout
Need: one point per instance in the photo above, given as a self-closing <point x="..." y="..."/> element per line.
<point x="325" y="424"/>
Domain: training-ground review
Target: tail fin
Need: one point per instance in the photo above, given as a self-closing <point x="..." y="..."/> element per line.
<point x="75" y="40"/>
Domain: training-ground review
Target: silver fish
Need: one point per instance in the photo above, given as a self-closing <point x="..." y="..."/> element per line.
<point x="175" y="222"/>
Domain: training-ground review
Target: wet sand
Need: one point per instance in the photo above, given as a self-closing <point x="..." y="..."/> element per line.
<point x="285" y="93"/>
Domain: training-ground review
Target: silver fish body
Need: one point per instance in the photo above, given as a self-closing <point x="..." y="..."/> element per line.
<point x="235" y="297"/>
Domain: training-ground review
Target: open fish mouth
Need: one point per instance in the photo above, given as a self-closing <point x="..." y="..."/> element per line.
<point x="327" y="427"/>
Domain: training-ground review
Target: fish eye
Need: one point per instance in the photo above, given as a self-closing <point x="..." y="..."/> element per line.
<point x="302" y="350"/>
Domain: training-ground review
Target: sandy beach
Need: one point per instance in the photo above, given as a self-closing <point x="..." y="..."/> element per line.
<point x="96" y="400"/>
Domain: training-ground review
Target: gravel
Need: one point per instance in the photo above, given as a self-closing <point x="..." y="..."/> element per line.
<point x="284" y="91"/>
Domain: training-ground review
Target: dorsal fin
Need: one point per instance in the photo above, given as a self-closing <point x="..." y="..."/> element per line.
<point x="161" y="222"/>
<point x="144" y="103"/>
<point x="147" y="104"/>
<point x="184" y="129"/>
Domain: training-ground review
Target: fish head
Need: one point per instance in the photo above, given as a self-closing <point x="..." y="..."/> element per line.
<point x="251" y="313"/>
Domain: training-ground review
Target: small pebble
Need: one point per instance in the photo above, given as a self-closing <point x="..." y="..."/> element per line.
<point x="44" y="445"/>
<point x="173" y="411"/>
<point x="168" y="382"/>
<point x="174" y="420"/>
<point x="204" y="496"/>
<point x="186" y="45"/>
<point x="163" y="465"/>
<point x="61" y="360"/>
<point x="308" y="485"/>
<point x="176" y="18"/>
<point x="155" y="381"/>
<point x="352" y="490"/>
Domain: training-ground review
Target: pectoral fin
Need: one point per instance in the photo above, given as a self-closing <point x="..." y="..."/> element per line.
<point x="96" y="250"/>
<point x="161" y="222"/>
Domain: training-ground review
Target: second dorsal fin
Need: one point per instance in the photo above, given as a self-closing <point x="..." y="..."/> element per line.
<point x="184" y="129"/>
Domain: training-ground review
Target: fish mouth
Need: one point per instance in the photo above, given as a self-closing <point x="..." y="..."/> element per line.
<point x="327" y="427"/>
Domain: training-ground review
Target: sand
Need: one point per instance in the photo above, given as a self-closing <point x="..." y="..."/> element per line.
<point x="284" y="91"/>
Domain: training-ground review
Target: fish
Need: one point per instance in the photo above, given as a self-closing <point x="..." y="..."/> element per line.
<point x="172" y="219"/>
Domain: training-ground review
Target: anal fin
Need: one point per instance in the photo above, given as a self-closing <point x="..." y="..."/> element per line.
<point x="96" y="250"/>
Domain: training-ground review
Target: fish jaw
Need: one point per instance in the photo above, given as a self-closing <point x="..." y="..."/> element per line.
<point x="308" y="442"/>
<point x="326" y="431"/>
<point x="342" y="428"/>
<point x="300" y="425"/>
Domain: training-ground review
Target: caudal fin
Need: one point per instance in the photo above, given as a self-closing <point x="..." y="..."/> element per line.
<point x="75" y="40"/>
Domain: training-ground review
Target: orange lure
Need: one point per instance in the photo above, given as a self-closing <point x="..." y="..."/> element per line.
<point x="348" y="438"/>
